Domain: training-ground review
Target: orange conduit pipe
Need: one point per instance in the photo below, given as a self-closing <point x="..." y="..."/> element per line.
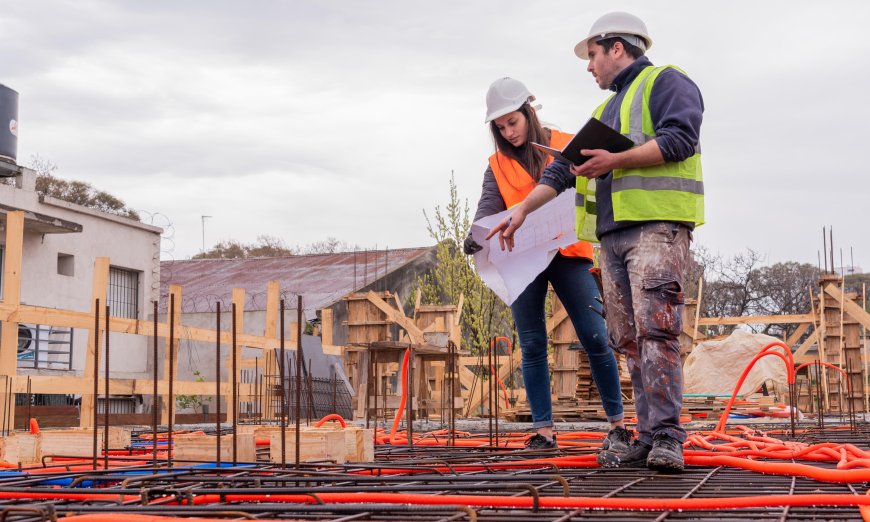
<point x="658" y="504"/>
<point x="767" y="350"/>
<point x="107" y="517"/>
<point x="401" y="409"/>
<point x="831" y="366"/>
<point x="331" y="416"/>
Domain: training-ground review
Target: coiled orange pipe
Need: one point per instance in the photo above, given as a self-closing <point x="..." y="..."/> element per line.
<point x="331" y="416"/>
<point x="767" y="350"/>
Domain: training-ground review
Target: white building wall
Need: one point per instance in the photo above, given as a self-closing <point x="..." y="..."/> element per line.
<point x="128" y="244"/>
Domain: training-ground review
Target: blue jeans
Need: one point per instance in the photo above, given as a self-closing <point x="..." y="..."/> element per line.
<point x="577" y="290"/>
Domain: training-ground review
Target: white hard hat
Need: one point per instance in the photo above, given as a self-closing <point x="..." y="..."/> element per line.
<point x="624" y="25"/>
<point x="505" y="95"/>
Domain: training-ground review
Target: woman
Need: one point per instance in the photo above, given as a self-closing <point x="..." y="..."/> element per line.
<point x="513" y="172"/>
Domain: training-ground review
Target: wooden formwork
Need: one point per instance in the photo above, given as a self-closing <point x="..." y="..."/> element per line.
<point x="326" y="443"/>
<point x="204" y="447"/>
<point x="78" y="442"/>
<point x="26" y="448"/>
<point x="20" y="448"/>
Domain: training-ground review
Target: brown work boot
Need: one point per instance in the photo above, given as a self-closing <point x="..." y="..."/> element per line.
<point x="634" y="456"/>
<point x="666" y="454"/>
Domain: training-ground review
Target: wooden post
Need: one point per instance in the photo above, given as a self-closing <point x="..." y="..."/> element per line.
<point x="99" y="291"/>
<point x="326" y="326"/>
<point x="239" y="301"/>
<point x="164" y="404"/>
<point x="270" y="331"/>
<point x="697" y="310"/>
<point x="11" y="296"/>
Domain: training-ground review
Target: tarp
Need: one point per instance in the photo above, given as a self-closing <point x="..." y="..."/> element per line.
<point x="715" y="366"/>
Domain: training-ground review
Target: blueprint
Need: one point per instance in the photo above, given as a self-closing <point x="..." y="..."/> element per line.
<point x="544" y="231"/>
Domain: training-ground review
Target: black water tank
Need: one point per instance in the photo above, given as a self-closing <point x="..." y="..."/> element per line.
<point x="8" y="124"/>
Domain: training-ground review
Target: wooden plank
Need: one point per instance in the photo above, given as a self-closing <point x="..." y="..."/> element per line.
<point x="413" y="332"/>
<point x="698" y="310"/>
<point x="84" y="320"/>
<point x="798" y="333"/>
<point x="100" y="287"/>
<point x="174" y="290"/>
<point x="756" y="319"/>
<point x="315" y="445"/>
<point x="800" y="355"/>
<point x="849" y="307"/>
<point x="78" y="442"/>
<point x="239" y="301"/>
<point x="204" y="447"/>
<point x="20" y="448"/>
<point x="13" y="254"/>
<point x="556" y="320"/>
<point x="326" y="327"/>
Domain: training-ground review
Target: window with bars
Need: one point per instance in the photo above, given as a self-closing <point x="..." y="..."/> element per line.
<point x="123" y="298"/>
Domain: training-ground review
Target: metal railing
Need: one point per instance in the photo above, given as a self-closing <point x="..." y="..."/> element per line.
<point x="41" y="346"/>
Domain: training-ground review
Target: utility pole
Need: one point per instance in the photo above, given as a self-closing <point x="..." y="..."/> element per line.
<point x="203" y="230"/>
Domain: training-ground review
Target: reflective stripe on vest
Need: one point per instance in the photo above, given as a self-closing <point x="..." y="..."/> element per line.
<point x="514" y="184"/>
<point x="668" y="192"/>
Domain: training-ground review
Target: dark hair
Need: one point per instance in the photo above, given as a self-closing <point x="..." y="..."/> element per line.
<point x="633" y="50"/>
<point x="531" y="158"/>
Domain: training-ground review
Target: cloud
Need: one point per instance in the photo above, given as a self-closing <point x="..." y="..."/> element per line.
<point x="310" y="119"/>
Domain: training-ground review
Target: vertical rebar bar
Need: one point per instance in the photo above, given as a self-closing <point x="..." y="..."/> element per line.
<point x="170" y="406"/>
<point x="106" y="402"/>
<point x="410" y="398"/>
<point x="29" y="400"/>
<point x="452" y="406"/>
<point x="155" y="398"/>
<point x="96" y="374"/>
<point x="334" y="389"/>
<point x="825" y="248"/>
<point x="310" y="385"/>
<point x="489" y="388"/>
<point x="217" y="386"/>
<point x="300" y="356"/>
<point x="496" y="389"/>
<point x="235" y="390"/>
<point x="282" y="376"/>
<point x="10" y="422"/>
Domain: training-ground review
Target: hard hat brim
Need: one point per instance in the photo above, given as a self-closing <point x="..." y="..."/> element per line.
<point x="501" y="112"/>
<point x="582" y="48"/>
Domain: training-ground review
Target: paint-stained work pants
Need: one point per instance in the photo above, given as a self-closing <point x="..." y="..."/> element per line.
<point x="642" y="271"/>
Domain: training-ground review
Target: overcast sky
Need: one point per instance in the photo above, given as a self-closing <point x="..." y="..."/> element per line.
<point x="304" y="120"/>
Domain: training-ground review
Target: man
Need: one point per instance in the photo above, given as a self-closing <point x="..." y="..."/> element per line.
<point x="647" y="202"/>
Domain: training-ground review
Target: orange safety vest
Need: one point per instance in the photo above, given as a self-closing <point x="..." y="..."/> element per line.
<point x="515" y="183"/>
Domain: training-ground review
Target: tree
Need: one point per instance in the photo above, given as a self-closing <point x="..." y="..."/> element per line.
<point x="484" y="315"/>
<point x="271" y="246"/>
<point x="740" y="286"/>
<point x="264" y="246"/>
<point x="78" y="192"/>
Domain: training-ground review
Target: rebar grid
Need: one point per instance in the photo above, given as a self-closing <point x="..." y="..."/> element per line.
<point x="170" y="492"/>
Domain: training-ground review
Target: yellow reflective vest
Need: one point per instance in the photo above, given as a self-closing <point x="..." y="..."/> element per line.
<point x="673" y="191"/>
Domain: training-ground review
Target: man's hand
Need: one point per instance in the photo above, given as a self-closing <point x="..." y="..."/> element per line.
<point x="506" y="228"/>
<point x="600" y="162"/>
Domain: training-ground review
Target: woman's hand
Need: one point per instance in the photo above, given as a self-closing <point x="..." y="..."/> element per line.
<point x="506" y="228"/>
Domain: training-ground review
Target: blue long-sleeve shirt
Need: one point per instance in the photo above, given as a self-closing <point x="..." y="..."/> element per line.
<point x="676" y="109"/>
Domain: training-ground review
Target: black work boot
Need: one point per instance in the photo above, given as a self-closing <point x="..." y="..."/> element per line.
<point x="615" y="445"/>
<point x="539" y="442"/>
<point x="634" y="457"/>
<point x="666" y="454"/>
